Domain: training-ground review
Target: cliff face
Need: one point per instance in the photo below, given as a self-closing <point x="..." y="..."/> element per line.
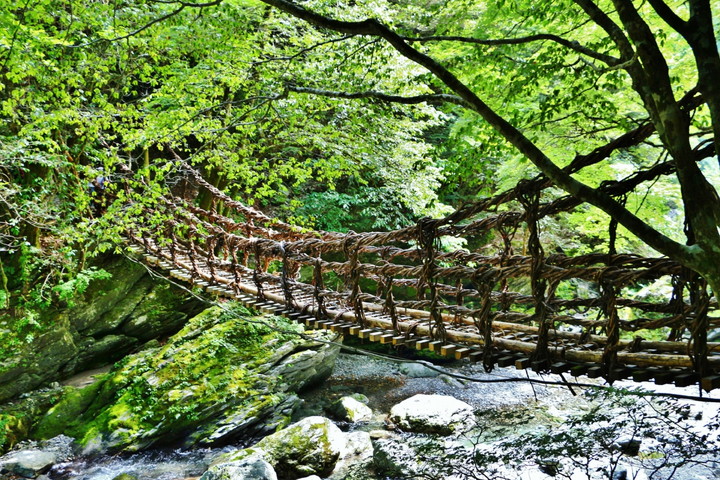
<point x="111" y="318"/>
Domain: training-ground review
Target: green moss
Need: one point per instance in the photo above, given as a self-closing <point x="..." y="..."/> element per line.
<point x="13" y="428"/>
<point x="207" y="369"/>
<point x="64" y="415"/>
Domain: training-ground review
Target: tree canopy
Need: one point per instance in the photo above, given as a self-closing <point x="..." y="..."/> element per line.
<point x="366" y="114"/>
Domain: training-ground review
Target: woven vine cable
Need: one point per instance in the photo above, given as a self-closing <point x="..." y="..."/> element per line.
<point x="531" y="203"/>
<point x="352" y="250"/>
<point x="284" y="274"/>
<point x="697" y="347"/>
<point x="318" y="287"/>
<point x="428" y="243"/>
<point x="257" y="271"/>
<point x="609" y="357"/>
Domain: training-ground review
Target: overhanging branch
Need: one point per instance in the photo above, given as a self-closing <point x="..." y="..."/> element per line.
<point x="433" y="99"/>
<point x="571" y="44"/>
<point x="515" y="137"/>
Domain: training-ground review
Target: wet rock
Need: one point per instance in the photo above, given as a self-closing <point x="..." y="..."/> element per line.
<point x="27" y="463"/>
<point x="394" y="458"/>
<point x="253" y="467"/>
<point x="311" y="446"/>
<point x="417" y="370"/>
<point x="355" y="454"/>
<point x="125" y="476"/>
<point x="628" y="445"/>
<point x="620" y="473"/>
<point x="349" y="409"/>
<point x="433" y="414"/>
<point x="33" y="458"/>
<point x="311" y="477"/>
<point x="380" y="434"/>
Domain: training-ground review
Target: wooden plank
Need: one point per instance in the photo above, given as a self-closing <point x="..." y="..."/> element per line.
<point x="522" y="363"/>
<point x="506" y="361"/>
<point x="710" y="383"/>
<point x="644" y="375"/>
<point x="560" y="367"/>
<point x="355" y="330"/>
<point x="462" y="352"/>
<point x="365" y="333"/>
<point x="435" y="345"/>
<point x="540" y="366"/>
<point x="448" y="350"/>
<point x="596" y="371"/>
<point x="665" y="377"/>
<point x="686" y="379"/>
<point x="386" y="337"/>
<point x="421" y="344"/>
<point x="620" y="373"/>
<point x="579" y="370"/>
<point x="398" y="340"/>
<point x="375" y="336"/>
<point x="475" y="356"/>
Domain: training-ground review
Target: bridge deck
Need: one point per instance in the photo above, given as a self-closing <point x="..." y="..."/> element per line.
<point x="512" y="344"/>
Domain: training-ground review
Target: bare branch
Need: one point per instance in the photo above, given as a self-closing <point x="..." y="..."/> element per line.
<point x="433" y="99"/>
<point x="302" y="51"/>
<point x="572" y="45"/>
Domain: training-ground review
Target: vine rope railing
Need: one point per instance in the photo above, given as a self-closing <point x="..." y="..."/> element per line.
<point x="550" y="312"/>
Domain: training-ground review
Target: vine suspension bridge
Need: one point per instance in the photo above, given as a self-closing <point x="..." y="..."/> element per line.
<point x="463" y="304"/>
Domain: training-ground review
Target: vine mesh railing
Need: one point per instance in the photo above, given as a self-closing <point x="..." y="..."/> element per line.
<point x="499" y="306"/>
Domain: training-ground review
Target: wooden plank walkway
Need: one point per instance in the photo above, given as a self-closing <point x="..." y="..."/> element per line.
<point x="512" y="344"/>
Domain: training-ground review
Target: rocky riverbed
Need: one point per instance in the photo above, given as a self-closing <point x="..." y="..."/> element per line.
<point x="354" y="426"/>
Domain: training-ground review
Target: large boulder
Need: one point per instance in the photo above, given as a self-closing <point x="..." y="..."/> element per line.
<point x="27" y="463"/>
<point x="253" y="467"/>
<point x="433" y="414"/>
<point x="226" y="374"/>
<point x="312" y="446"/>
<point x="34" y="458"/>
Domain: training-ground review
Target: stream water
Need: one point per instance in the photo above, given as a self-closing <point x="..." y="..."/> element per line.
<point x="505" y="410"/>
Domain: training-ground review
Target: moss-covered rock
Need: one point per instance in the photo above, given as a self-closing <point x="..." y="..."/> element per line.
<point x="110" y="318"/>
<point x="311" y="446"/>
<point x="226" y="374"/>
<point x="18" y="417"/>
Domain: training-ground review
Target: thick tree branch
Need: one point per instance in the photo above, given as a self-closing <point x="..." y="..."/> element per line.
<point x="670" y="17"/>
<point x="433" y="99"/>
<point x="610" y="27"/>
<point x="572" y="45"/>
<point x="371" y="27"/>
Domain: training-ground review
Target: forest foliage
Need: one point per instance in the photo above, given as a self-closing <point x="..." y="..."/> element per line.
<point x="317" y="115"/>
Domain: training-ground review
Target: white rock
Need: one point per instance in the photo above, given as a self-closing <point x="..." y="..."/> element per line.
<point x="27" y="463"/>
<point x="357" y="450"/>
<point x="433" y="414"/>
<point x="351" y="410"/>
<point x="253" y="467"/>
